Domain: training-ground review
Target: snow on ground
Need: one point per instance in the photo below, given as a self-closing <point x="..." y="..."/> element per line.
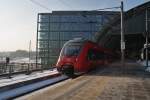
<point x="22" y="60"/>
<point x="23" y="77"/>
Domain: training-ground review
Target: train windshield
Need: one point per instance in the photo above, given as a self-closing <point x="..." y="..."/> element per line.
<point x="71" y="50"/>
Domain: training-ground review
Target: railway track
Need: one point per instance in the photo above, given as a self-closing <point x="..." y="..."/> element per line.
<point x="16" y="92"/>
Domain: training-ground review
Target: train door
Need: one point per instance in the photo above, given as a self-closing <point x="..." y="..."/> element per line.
<point x="100" y="58"/>
<point x="106" y="59"/>
<point x="92" y="58"/>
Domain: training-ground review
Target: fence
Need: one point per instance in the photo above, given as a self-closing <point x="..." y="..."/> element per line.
<point x="17" y="68"/>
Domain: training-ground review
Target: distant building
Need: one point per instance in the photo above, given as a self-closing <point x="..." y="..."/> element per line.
<point x="55" y="28"/>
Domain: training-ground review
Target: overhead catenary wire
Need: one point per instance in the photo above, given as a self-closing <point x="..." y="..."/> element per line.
<point x="39" y="4"/>
<point x="65" y="4"/>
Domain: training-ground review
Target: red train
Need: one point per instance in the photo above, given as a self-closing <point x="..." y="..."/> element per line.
<point x="79" y="56"/>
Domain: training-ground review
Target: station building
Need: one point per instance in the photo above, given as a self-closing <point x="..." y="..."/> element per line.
<point x="55" y="28"/>
<point x="134" y="31"/>
<point x="103" y="27"/>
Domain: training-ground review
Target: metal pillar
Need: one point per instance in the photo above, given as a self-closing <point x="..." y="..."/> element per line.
<point x="30" y="52"/>
<point x="122" y="36"/>
<point x="10" y="70"/>
<point x="37" y="41"/>
<point x="48" y="48"/>
<point x="146" y="28"/>
<point x="28" y="69"/>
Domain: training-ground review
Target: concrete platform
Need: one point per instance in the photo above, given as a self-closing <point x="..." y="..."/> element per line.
<point x="112" y="82"/>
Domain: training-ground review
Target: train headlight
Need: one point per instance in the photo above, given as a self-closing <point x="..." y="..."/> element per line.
<point x="76" y="59"/>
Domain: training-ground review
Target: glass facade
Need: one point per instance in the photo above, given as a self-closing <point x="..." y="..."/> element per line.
<point x="55" y="28"/>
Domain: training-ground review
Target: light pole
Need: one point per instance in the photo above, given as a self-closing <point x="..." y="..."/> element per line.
<point x="122" y="35"/>
<point x="146" y="28"/>
<point x="122" y="42"/>
<point x="28" y="70"/>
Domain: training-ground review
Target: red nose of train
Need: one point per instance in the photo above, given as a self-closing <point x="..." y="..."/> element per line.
<point x="66" y="65"/>
<point x="66" y="61"/>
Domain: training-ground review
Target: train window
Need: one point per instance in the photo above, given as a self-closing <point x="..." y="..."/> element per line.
<point x="91" y="55"/>
<point x="100" y="55"/>
<point x="71" y="50"/>
<point x="95" y="55"/>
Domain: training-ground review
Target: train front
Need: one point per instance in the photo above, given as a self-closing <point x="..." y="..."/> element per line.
<point x="67" y="62"/>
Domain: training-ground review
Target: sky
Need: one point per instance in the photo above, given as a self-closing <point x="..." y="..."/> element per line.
<point x="18" y="18"/>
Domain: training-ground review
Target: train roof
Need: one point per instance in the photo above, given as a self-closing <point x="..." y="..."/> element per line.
<point x="80" y="40"/>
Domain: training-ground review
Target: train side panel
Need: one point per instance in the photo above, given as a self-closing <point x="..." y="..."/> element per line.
<point x="88" y="57"/>
<point x="83" y="63"/>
